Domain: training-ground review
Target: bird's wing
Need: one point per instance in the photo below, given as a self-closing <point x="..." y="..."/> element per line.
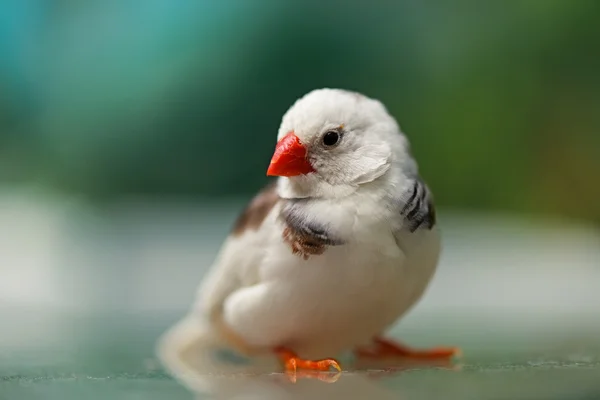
<point x="417" y="208"/>
<point x="237" y="263"/>
<point x="417" y="236"/>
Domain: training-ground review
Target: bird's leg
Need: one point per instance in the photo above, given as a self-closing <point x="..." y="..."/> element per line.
<point x="387" y="348"/>
<point x="292" y="362"/>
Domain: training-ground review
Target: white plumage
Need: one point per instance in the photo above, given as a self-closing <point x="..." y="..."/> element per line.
<point x="382" y="244"/>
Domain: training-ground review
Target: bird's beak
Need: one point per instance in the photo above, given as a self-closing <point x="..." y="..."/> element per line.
<point x="289" y="158"/>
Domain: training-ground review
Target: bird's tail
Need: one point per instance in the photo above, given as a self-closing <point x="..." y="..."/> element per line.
<point x="195" y="353"/>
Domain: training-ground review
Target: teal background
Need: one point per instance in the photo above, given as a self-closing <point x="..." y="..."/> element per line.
<point x="133" y="132"/>
<point x="106" y="99"/>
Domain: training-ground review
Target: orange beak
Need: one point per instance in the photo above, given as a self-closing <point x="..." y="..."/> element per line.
<point x="289" y="158"/>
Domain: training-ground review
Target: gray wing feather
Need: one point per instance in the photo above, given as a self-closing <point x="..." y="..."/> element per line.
<point x="417" y="207"/>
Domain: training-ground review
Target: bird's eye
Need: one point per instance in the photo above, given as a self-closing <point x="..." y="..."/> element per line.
<point x="331" y="138"/>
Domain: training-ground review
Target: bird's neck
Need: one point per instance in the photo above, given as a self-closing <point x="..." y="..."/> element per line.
<point x="312" y="188"/>
<point x="307" y="187"/>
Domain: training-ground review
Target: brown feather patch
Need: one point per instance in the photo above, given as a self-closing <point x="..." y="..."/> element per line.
<point x="302" y="245"/>
<point x="258" y="209"/>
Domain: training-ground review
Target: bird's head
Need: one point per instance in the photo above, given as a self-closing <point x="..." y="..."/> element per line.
<point x="332" y="141"/>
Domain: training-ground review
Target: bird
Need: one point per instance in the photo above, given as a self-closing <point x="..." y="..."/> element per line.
<point x="336" y="249"/>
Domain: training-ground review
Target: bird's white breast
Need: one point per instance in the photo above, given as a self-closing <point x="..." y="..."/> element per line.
<point x="343" y="297"/>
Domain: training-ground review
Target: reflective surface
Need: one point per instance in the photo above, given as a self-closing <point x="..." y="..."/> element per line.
<point x="94" y="293"/>
<point x="113" y="357"/>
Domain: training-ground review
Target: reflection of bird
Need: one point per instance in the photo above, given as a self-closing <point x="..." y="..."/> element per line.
<point x="190" y="352"/>
<point x="337" y="250"/>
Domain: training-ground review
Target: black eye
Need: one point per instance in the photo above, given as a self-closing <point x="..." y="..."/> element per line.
<point x="331" y="138"/>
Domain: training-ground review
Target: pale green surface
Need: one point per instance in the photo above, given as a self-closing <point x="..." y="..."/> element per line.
<point x="84" y="297"/>
<point x="113" y="357"/>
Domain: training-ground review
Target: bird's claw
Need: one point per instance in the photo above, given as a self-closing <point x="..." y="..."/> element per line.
<point x="310" y="369"/>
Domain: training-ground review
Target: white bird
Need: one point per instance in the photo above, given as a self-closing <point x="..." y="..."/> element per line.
<point x="339" y="248"/>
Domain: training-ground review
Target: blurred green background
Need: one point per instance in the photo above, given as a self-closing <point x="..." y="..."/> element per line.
<point x="132" y="133"/>
<point x="112" y="99"/>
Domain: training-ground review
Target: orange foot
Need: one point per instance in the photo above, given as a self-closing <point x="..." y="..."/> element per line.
<point x="292" y="362"/>
<point x="386" y="348"/>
